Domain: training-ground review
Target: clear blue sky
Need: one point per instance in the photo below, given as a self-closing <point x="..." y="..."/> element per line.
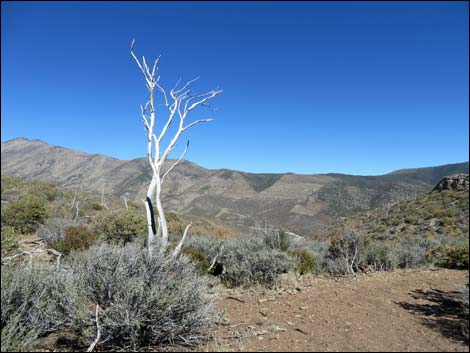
<point x="347" y="87"/>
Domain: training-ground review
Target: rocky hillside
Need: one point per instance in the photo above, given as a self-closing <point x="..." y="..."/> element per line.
<point x="441" y="212"/>
<point x="300" y="203"/>
<point x="88" y="207"/>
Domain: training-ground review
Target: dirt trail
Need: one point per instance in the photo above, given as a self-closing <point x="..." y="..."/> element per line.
<point x="394" y="311"/>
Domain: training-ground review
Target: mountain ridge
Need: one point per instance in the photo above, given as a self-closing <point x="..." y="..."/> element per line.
<point x="298" y="202"/>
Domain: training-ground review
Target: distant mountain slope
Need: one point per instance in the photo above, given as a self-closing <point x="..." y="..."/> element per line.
<point x="299" y="203"/>
<point x="440" y="212"/>
<point x="430" y="175"/>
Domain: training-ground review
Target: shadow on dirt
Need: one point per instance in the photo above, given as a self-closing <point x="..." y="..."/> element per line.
<point x="444" y="312"/>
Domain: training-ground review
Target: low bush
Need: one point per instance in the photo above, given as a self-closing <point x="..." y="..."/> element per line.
<point x="306" y="262"/>
<point x="25" y="214"/>
<point x="345" y="253"/>
<point x="145" y="301"/>
<point x="201" y="261"/>
<point x="209" y="246"/>
<point x="76" y="238"/>
<point x="53" y="229"/>
<point x="44" y="190"/>
<point x="446" y="221"/>
<point x="120" y="227"/>
<point x="9" y="239"/>
<point x="450" y="256"/>
<point x="246" y="261"/>
<point x="37" y="301"/>
<point x="96" y="206"/>
<point x="380" y="256"/>
<point x="412" y="251"/>
<point x="451" y="212"/>
<point x="275" y="239"/>
<point x="413" y="219"/>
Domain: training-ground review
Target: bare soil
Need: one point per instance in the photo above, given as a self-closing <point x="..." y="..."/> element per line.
<point x="385" y="311"/>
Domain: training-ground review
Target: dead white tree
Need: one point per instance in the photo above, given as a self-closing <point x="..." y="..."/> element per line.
<point x="103" y="199"/>
<point x="179" y="102"/>
<point x="125" y="197"/>
<point x="348" y="248"/>
<point x="77" y="211"/>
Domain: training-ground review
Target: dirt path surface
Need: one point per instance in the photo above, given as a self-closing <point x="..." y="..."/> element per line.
<point x="388" y="311"/>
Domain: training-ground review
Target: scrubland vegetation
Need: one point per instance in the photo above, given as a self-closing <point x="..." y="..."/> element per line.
<point x="106" y="277"/>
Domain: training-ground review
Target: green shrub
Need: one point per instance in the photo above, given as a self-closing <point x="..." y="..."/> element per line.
<point x="451" y="212"/>
<point x="202" y="264"/>
<point x="146" y="301"/>
<point x="76" y="238"/>
<point x="44" y="190"/>
<point x="306" y="263"/>
<point x="9" y="239"/>
<point x="412" y="219"/>
<point x="10" y="183"/>
<point x="394" y="222"/>
<point x="450" y="256"/>
<point x="446" y="221"/>
<point x="120" y="227"/>
<point x="96" y="206"/>
<point x="25" y="214"/>
<point x="316" y="249"/>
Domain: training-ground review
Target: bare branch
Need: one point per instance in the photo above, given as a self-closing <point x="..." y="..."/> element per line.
<point x="29" y="253"/>
<point x="212" y="94"/>
<point x="170" y="119"/>
<point x="77" y="210"/>
<point x="186" y="85"/>
<point x="176" y="163"/>
<point x="215" y="259"/>
<point x="36" y="249"/>
<point x="180" y="244"/>
<point x="155" y="65"/>
<point x="98" y="331"/>
<point x="176" y="85"/>
<point x="57" y="254"/>
<point x="138" y="63"/>
<point x="197" y="122"/>
<point x="163" y="92"/>
<point x="149" y="75"/>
